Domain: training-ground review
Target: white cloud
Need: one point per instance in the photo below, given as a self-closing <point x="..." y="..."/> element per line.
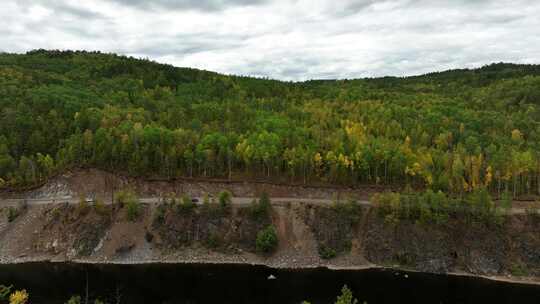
<point x="302" y="39"/>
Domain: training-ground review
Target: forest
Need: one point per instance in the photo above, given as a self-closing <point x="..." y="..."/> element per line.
<point x="456" y="131"/>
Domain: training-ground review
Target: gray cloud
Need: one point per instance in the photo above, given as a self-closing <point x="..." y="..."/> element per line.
<point x="61" y="8"/>
<point x="185" y="44"/>
<point x="285" y="39"/>
<point x="204" y="5"/>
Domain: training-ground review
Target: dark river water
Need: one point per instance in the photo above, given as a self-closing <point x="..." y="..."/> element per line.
<point x="180" y="283"/>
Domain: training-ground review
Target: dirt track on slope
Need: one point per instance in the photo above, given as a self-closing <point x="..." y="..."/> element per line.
<point x="71" y="186"/>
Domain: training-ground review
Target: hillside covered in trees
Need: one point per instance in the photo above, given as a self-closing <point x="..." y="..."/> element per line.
<point x="455" y="131"/>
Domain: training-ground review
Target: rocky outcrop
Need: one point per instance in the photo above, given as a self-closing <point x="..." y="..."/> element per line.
<point x="310" y="235"/>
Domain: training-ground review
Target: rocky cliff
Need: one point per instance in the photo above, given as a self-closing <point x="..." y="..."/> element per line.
<point x="342" y="235"/>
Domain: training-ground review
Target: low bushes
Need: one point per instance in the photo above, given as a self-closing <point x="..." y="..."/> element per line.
<point x="184" y="204"/>
<point x="437" y="208"/>
<point x="99" y="207"/>
<point x="159" y="215"/>
<point x="333" y="226"/>
<point x="215" y="224"/>
<point x="5" y="291"/>
<point x="225" y="199"/>
<point x="326" y="252"/>
<point x="519" y="270"/>
<point x="133" y="210"/>
<point x="12" y="213"/>
<point x="266" y="240"/>
<point x="128" y="199"/>
<point x="74" y="300"/>
<point x="82" y="207"/>
<point x="125" y="196"/>
<point x="349" y="210"/>
<point x="213" y="241"/>
<point x="260" y="209"/>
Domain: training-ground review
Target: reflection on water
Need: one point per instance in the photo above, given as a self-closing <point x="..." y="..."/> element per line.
<point x="179" y="283"/>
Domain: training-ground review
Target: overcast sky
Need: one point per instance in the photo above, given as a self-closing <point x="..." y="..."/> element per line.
<point x="285" y="39"/>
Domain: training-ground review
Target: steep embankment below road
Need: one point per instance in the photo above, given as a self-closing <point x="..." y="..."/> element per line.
<point x="309" y="234"/>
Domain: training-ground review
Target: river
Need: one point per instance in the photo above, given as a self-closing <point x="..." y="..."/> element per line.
<point x="51" y="283"/>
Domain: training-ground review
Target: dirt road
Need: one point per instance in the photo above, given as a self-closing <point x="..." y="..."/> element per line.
<point x="157" y="200"/>
<point x="235" y="200"/>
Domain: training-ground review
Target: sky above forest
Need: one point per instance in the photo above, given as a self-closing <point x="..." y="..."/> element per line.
<point x="285" y="39"/>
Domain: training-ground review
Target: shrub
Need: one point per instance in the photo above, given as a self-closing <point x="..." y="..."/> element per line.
<point x="346" y="297"/>
<point x="479" y="201"/>
<point x="349" y="210"/>
<point x="264" y="200"/>
<point x="266" y="240"/>
<point x="213" y="240"/>
<point x="260" y="209"/>
<point x="206" y="200"/>
<point x="4" y="292"/>
<point x="128" y="199"/>
<point x="12" y="213"/>
<point x="99" y="207"/>
<point x="159" y="214"/>
<point x="82" y="207"/>
<point x="225" y="199"/>
<point x="481" y="208"/>
<point x="436" y="208"/>
<point x="506" y="201"/>
<point x="186" y="200"/>
<point x="74" y="300"/>
<point x="519" y="270"/>
<point x="170" y="199"/>
<point x="185" y="204"/>
<point x="388" y="206"/>
<point x="19" y="297"/>
<point x="133" y="209"/>
<point x="327" y="253"/>
<point x="124" y="196"/>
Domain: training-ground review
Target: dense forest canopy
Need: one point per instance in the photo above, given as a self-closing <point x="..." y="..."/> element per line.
<point x="455" y="131"/>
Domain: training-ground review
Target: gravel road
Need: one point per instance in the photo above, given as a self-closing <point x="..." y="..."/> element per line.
<point x="157" y="200"/>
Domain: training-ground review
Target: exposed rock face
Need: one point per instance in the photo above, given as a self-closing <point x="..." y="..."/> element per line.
<point x="212" y="226"/>
<point x="359" y="237"/>
<point x="75" y="229"/>
<point x="484" y="249"/>
<point x="334" y="227"/>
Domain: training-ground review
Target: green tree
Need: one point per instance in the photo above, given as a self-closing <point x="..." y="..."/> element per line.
<point x="346" y="297"/>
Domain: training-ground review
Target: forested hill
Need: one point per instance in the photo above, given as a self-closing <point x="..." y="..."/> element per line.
<point x="455" y="131"/>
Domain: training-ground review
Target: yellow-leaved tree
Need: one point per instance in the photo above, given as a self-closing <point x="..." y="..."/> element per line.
<point x="19" y="297"/>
